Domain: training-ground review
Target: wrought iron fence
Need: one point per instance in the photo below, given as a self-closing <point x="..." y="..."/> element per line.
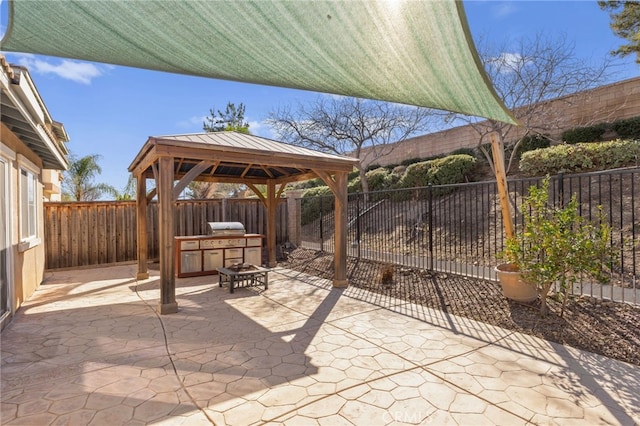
<point x="458" y="229"/>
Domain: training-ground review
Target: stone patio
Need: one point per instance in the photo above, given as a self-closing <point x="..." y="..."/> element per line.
<point x="89" y="348"/>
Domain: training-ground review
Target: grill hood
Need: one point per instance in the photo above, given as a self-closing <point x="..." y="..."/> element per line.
<point x="226" y="228"/>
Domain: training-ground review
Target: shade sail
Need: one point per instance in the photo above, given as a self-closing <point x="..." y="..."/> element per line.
<point x="406" y="51"/>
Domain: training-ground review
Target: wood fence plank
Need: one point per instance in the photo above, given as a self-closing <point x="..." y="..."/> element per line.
<point x="94" y="233"/>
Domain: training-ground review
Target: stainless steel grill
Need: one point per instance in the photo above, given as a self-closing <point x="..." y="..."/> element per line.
<point x="226" y="228"/>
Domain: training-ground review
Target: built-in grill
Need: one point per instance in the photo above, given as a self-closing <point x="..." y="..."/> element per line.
<point x="226" y="228"/>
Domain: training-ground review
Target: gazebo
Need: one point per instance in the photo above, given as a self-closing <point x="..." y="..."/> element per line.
<point x="231" y="157"/>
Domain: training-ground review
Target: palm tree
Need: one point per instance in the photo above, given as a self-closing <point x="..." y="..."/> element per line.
<point x="129" y="191"/>
<point x="78" y="184"/>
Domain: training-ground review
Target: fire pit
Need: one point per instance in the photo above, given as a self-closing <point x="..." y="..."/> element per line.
<point x="237" y="276"/>
<point x="242" y="267"/>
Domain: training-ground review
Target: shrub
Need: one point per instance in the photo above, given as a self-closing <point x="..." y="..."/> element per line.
<point x="311" y="183"/>
<point x="533" y="142"/>
<point x="442" y="171"/>
<point x="352" y="175"/>
<point x="451" y="169"/>
<point x="557" y="245"/>
<point x="627" y="128"/>
<point x="314" y="202"/>
<point x="415" y="175"/>
<point x="467" y="151"/>
<point x="585" y="134"/>
<point x="354" y="185"/>
<point x="399" y="170"/>
<point x="415" y="160"/>
<point x="380" y="179"/>
<point x="580" y="157"/>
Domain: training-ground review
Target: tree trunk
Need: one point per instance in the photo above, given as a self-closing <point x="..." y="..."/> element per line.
<point x="543" y="299"/>
<point x="364" y="183"/>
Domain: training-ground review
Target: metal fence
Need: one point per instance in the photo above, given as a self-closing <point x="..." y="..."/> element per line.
<point x="458" y="228"/>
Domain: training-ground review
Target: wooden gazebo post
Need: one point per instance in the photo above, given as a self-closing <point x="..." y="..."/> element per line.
<point x="164" y="183"/>
<point x="272" y="205"/>
<point x="340" y="230"/>
<point x="338" y="185"/>
<point x="141" y="216"/>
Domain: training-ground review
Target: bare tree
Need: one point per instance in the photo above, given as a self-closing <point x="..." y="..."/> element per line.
<point x="345" y="126"/>
<point x="197" y="190"/>
<point x="526" y="77"/>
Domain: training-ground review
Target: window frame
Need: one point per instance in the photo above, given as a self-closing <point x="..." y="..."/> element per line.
<point x="29" y="176"/>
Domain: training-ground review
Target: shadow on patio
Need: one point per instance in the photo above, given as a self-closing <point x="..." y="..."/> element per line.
<point x="88" y="348"/>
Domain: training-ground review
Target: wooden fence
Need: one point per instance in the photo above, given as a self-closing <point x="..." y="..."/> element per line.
<point x="104" y="232"/>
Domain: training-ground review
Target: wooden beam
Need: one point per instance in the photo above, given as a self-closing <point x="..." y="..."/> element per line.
<point x="257" y="192"/>
<point x="145" y="158"/>
<point x="222" y="179"/>
<point x="340" y="231"/>
<point x="271" y="223"/>
<point x="168" y="304"/>
<point x="154" y="169"/>
<point x="326" y="178"/>
<point x="151" y="194"/>
<point x="497" y="150"/>
<point x="281" y="170"/>
<point x="246" y="170"/>
<point x="281" y="190"/>
<point x="189" y="177"/>
<point x="297" y="178"/>
<point x="213" y="169"/>
<point x="141" y="227"/>
<point x="257" y="157"/>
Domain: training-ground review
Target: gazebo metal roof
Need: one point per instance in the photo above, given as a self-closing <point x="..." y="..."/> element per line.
<point x="237" y="157"/>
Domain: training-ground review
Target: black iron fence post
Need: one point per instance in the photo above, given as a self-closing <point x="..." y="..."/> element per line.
<point x="561" y="188"/>
<point x="321" y="227"/>
<point x="358" y="223"/>
<point x="430" y="198"/>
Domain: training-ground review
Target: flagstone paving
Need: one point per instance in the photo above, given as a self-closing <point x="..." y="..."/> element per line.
<point x="89" y="349"/>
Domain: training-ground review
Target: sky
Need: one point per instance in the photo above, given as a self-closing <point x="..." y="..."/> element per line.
<point x="112" y="110"/>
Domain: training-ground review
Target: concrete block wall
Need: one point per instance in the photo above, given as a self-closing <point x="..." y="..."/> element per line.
<point x="603" y="104"/>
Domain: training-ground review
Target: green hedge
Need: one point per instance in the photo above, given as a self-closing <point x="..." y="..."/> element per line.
<point x="378" y="179"/>
<point x="580" y="157"/>
<point x="533" y="142"/>
<point x="442" y="171"/>
<point x="585" y="134"/>
<point x="628" y="128"/>
<point x="312" y="200"/>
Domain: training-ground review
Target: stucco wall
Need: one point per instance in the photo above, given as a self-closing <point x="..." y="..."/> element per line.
<point x="603" y="104"/>
<point x="27" y="260"/>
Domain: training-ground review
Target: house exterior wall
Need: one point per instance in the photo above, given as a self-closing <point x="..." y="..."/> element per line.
<point x="31" y="148"/>
<point x="26" y="259"/>
<point x="52" y="189"/>
<point x="603" y="104"/>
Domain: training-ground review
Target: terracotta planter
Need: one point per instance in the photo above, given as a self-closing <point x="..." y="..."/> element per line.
<point x="513" y="286"/>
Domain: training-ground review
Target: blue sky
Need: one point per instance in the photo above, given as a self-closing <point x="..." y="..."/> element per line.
<point x="112" y="110"/>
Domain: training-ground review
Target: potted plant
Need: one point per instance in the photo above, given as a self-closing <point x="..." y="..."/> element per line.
<point x="557" y="246"/>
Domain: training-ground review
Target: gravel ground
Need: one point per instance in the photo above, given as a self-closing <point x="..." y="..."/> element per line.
<point x="607" y="328"/>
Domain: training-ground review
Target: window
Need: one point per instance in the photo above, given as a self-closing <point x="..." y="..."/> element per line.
<point x="28" y="207"/>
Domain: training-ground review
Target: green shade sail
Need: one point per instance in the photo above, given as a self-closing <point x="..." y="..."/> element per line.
<point x="405" y="51"/>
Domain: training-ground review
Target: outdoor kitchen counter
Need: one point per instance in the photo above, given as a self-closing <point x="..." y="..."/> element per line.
<point x="204" y="254"/>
